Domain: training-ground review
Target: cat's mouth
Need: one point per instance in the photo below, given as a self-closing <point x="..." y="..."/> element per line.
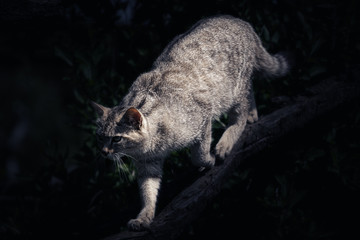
<point x="115" y="156"/>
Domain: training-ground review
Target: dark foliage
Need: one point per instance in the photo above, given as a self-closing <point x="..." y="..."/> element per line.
<point x="55" y="185"/>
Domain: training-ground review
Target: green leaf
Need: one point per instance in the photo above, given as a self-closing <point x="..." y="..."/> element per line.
<point x="306" y="26"/>
<point x="78" y="96"/>
<point x="60" y="54"/>
<point x="316" y="70"/>
<point x="265" y="33"/>
<point x="275" y="38"/>
<point x="315" y="46"/>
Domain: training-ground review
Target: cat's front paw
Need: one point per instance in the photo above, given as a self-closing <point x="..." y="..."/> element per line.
<point x="138" y="224"/>
<point x="223" y="149"/>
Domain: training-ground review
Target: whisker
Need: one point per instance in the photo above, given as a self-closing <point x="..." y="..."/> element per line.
<point x="125" y="171"/>
<point x="129" y="156"/>
<point x="117" y="163"/>
<point x="121" y="167"/>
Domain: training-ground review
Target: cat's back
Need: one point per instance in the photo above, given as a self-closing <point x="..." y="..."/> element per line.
<point x="210" y="39"/>
<point x="222" y="23"/>
<point x="199" y="68"/>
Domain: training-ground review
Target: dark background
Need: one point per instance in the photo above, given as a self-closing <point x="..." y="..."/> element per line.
<point x="56" y="56"/>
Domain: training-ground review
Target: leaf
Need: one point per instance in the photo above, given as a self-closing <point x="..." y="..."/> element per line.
<point x="78" y="96"/>
<point x="142" y="52"/>
<point x="86" y="71"/>
<point x="314" y="71"/>
<point x="60" y="54"/>
<point x="265" y="33"/>
<point x="315" y="46"/>
<point x="275" y="38"/>
<point x="307" y="28"/>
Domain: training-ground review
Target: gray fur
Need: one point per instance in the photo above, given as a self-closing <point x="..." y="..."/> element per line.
<point x="200" y="75"/>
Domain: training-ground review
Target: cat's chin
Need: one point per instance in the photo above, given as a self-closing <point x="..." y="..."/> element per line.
<point x="110" y="157"/>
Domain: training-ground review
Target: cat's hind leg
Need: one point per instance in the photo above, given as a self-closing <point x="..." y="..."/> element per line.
<point x="253" y="114"/>
<point x="200" y="151"/>
<point x="237" y="121"/>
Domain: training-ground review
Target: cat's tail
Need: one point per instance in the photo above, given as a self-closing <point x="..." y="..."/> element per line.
<point x="277" y="65"/>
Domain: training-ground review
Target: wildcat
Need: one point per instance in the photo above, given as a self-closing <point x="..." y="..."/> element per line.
<point x="200" y="75"/>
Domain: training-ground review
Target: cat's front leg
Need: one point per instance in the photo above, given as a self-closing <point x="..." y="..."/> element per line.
<point x="149" y="188"/>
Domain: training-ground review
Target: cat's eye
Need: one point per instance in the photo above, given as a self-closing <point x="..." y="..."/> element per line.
<point x="116" y="139"/>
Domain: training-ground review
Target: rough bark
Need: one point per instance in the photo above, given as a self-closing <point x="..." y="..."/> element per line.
<point x="187" y="206"/>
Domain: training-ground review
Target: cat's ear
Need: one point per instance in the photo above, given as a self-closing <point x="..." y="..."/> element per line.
<point x="99" y="109"/>
<point x="133" y="117"/>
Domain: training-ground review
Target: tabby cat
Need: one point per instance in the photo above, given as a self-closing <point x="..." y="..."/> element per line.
<point x="200" y="75"/>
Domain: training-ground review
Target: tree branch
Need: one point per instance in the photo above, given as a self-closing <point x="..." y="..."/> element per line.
<point x="187" y="206"/>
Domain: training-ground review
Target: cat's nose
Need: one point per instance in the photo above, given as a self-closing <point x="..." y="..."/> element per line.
<point x="105" y="151"/>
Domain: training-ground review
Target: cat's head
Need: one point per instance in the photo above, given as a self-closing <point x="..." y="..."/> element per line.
<point x="120" y="132"/>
